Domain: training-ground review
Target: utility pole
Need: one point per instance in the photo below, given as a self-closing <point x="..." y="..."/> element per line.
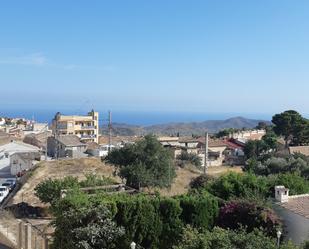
<point x="206" y="153"/>
<point x="109" y="130"/>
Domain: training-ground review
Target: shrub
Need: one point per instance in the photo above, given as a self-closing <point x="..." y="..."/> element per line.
<point x="49" y="190"/>
<point x="190" y="157"/>
<point x="242" y="213"/>
<point x="237" y="185"/>
<point x="228" y="239"/>
<point x="88" y="227"/>
<point x="199" y="210"/>
<point x="200" y="182"/>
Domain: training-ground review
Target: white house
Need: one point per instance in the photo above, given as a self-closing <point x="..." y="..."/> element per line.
<point x="7" y="150"/>
<point x="294" y="212"/>
<point x="23" y="161"/>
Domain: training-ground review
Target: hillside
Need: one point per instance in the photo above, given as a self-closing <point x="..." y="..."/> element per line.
<point x="184" y="128"/>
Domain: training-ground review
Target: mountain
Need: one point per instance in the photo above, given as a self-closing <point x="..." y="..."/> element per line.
<point x="197" y="128"/>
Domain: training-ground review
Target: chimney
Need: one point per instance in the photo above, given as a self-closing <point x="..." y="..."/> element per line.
<point x="281" y="194"/>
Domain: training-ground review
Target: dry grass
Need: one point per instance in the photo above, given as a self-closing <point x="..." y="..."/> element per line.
<point x="185" y="175"/>
<point x="80" y="167"/>
<point x="59" y="169"/>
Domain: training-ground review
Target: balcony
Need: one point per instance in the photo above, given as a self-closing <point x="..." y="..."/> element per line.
<point x="88" y="136"/>
<point x="87" y="127"/>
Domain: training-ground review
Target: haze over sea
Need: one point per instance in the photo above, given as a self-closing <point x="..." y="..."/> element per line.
<point x="133" y="117"/>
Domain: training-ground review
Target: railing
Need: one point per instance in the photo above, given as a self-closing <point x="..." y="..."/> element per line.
<point x="87" y="127"/>
<point x="88" y="136"/>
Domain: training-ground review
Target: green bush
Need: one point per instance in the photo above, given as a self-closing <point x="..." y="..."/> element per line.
<point x="249" y="186"/>
<point x="228" y="239"/>
<point x="150" y="221"/>
<point x="235" y="185"/>
<point x="49" y="190"/>
<point x="199" y="210"/>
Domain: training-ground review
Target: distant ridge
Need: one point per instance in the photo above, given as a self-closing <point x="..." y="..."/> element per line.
<point x="190" y="128"/>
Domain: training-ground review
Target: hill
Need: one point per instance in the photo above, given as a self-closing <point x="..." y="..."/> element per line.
<point x="197" y="128"/>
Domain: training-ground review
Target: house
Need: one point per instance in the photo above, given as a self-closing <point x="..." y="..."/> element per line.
<point x="65" y="146"/>
<point x="85" y="127"/>
<point x="234" y="153"/>
<point x="188" y="142"/>
<point x="96" y="150"/>
<point x="249" y="135"/>
<point x="2" y="121"/>
<point x="39" y="140"/>
<point x="23" y="161"/>
<point x="8" y="150"/>
<point x="299" y="149"/>
<point x="216" y="148"/>
<point x="294" y="212"/>
<point x="169" y="141"/>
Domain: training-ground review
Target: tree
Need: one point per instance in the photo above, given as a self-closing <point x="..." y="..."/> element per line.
<point x="86" y="228"/>
<point x="190" y="157"/>
<point x="144" y="164"/>
<point x="49" y="191"/>
<point x="262" y="126"/>
<point x="257" y="148"/>
<point x="226" y="132"/>
<point x="200" y="182"/>
<point x="289" y="124"/>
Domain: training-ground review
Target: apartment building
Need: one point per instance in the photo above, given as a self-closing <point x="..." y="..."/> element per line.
<point x="85" y="127"/>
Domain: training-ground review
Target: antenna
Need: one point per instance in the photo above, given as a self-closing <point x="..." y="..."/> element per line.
<point x="206" y="153"/>
<point x="109" y="130"/>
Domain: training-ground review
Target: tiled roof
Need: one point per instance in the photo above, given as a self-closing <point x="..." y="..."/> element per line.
<point x="213" y="142"/>
<point x="298" y="205"/>
<point x="231" y="144"/>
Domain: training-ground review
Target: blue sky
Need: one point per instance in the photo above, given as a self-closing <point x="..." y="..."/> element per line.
<point x="216" y="56"/>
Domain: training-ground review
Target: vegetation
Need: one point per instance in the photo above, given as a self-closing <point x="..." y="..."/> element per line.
<point x="86" y="228"/>
<point x="200" y="182"/>
<point x="292" y="126"/>
<point x="246" y="214"/>
<point x="150" y="221"/>
<point x="228" y="239"/>
<point x="144" y="164"/>
<point x="226" y="132"/>
<point x="227" y="212"/>
<point x="49" y="191"/>
<point x="192" y="158"/>
<point x="255" y="149"/>
<point x="274" y="165"/>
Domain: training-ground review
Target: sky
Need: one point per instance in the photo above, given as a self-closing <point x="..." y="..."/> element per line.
<point x="217" y="56"/>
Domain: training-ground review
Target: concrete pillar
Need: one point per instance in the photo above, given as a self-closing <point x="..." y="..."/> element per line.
<point x="44" y="242"/>
<point x="28" y="236"/>
<point x="20" y="236"/>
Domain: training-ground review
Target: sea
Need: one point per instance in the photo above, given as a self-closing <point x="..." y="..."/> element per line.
<point x="140" y="118"/>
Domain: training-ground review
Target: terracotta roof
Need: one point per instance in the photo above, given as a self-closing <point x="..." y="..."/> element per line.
<point x="188" y="140"/>
<point x="213" y="142"/>
<point x="231" y="144"/>
<point x="299" y="149"/>
<point x="298" y="205"/>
